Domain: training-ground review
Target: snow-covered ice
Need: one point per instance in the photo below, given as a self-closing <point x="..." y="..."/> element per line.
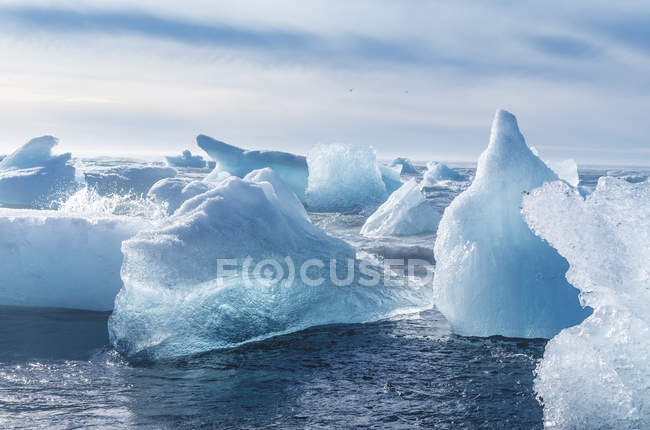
<point x="405" y="213"/>
<point x="55" y="259"/>
<point x="186" y="160"/>
<point x="175" y="191"/>
<point x="239" y="162"/>
<point x="172" y="303"/>
<point x="493" y="275"/>
<point x="127" y="180"/>
<point x="437" y="172"/>
<point x="344" y="178"/>
<point x="597" y="374"/>
<point x="32" y="176"/>
<point x="405" y="165"/>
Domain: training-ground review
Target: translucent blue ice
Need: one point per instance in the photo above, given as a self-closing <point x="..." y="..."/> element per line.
<point x="186" y="160"/>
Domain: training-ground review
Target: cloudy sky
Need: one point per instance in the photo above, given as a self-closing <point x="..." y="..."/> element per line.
<point x="417" y="78"/>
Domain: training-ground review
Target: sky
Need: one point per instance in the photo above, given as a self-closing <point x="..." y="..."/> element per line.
<point x="413" y="78"/>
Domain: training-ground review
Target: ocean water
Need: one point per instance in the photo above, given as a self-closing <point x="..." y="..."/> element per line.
<point x="57" y="369"/>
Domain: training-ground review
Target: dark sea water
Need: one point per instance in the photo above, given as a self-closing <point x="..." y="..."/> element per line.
<point x="57" y="370"/>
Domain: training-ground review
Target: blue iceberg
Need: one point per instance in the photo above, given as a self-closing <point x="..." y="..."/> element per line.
<point x="405" y="165"/>
<point x="127" y="180"/>
<point x="494" y="276"/>
<point x="175" y="191"/>
<point x="186" y="160"/>
<point x="32" y="177"/>
<point x="437" y="172"/>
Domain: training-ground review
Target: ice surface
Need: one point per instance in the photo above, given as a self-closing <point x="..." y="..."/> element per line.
<point x="31" y="176"/>
<point x="175" y="191"/>
<point x="567" y="170"/>
<point x="127" y="180"/>
<point x="344" y="178"/>
<point x="493" y="275"/>
<point x="172" y="304"/>
<point x="391" y="178"/>
<point x="405" y="213"/>
<point x="438" y="172"/>
<point x="186" y="160"/>
<point x="597" y="374"/>
<point x="239" y="162"/>
<point x="53" y="259"/>
<point x="405" y="164"/>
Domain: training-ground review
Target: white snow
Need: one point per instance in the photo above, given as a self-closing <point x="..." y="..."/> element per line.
<point x="566" y="169"/>
<point x="136" y="180"/>
<point x="175" y="191"/>
<point x="405" y="165"/>
<point x="186" y="160"/>
<point x="32" y="177"/>
<point x="405" y="213"/>
<point x="493" y="275"/>
<point x="437" y="172"/>
<point x="239" y="162"/>
<point x="172" y="303"/>
<point x="344" y="178"/>
<point x="597" y="374"/>
<point x="54" y="259"/>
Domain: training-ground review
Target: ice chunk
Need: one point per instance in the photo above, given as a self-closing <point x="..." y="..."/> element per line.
<point x="186" y="160"/>
<point x="53" y="259"/>
<point x="437" y="172"/>
<point x="32" y="177"/>
<point x="391" y="178"/>
<point x="344" y="178"/>
<point x="127" y="180"/>
<point x="405" y="213"/>
<point x="493" y="275"/>
<point x="175" y="191"/>
<point x="596" y="375"/>
<point x="405" y="164"/>
<point x="172" y="303"/>
<point x="239" y="162"/>
<point x="567" y="170"/>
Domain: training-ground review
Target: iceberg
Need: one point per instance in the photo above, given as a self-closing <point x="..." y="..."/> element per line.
<point x="54" y="259"/>
<point x="566" y="170"/>
<point x="596" y="375"/>
<point x="175" y="302"/>
<point x="239" y="162"/>
<point x="344" y="178"/>
<point x="405" y="165"/>
<point x="32" y="177"/>
<point x="391" y="178"/>
<point x="438" y="172"/>
<point x="186" y="160"/>
<point x="175" y="191"/>
<point x="127" y="180"/>
<point x="405" y="213"/>
<point x="494" y="276"/>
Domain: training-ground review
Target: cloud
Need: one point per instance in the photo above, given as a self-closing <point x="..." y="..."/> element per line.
<point x="562" y="46"/>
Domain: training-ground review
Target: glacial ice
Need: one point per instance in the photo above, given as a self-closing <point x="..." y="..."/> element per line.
<point x="597" y="374"/>
<point x="391" y="178"/>
<point x="239" y="162"/>
<point x="186" y="160"/>
<point x="566" y="169"/>
<point x="493" y="275"/>
<point x="437" y="172"/>
<point x="54" y="259"/>
<point x="405" y="164"/>
<point x="32" y="177"/>
<point x="405" y="213"/>
<point x="175" y="191"/>
<point x="344" y="178"/>
<point x="127" y="180"/>
<point x="172" y="303"/>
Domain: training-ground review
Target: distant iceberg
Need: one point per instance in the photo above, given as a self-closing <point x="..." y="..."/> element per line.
<point x="437" y="172"/>
<point x="32" y="177"/>
<point x="175" y="191"/>
<point x="173" y="304"/>
<point x="53" y="259"/>
<point x="596" y="375"/>
<point x="239" y="162"/>
<point x="186" y="160"/>
<point x="405" y="164"/>
<point x="344" y="178"/>
<point x="405" y="213"/>
<point x="127" y="180"/>
<point x="391" y="178"/>
<point x="493" y="275"/>
<point x="566" y="170"/>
